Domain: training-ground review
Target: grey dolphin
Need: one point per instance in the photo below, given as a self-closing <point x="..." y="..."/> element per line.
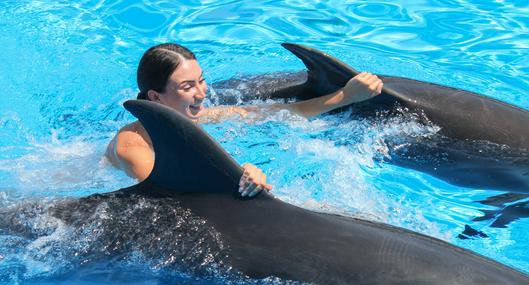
<point x="196" y="214"/>
<point x="459" y="155"/>
<point x="266" y="237"/>
<point x="461" y="114"/>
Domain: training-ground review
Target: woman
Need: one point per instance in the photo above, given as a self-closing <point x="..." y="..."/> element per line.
<point x="170" y="74"/>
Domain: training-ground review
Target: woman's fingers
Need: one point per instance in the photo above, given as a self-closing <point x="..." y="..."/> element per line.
<point x="362" y="75"/>
<point x="258" y="184"/>
<point x="267" y="187"/>
<point x="379" y="87"/>
<point x="370" y="79"/>
<point x="250" y="188"/>
<point x="253" y="181"/>
<point x="373" y="83"/>
<point x="246" y="185"/>
<point x="362" y="87"/>
<point x="375" y="86"/>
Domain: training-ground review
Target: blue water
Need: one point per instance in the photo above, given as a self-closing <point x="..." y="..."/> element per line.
<point x="66" y="68"/>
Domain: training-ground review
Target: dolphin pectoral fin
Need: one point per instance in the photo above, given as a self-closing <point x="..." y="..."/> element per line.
<point x="470" y="232"/>
<point x="326" y="74"/>
<point x="187" y="159"/>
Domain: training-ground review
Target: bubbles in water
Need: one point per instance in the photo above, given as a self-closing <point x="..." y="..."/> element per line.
<point x="62" y="234"/>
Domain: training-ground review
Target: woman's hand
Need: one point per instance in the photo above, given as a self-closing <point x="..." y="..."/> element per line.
<point x="252" y="181"/>
<point x="359" y="88"/>
<point x="362" y="87"/>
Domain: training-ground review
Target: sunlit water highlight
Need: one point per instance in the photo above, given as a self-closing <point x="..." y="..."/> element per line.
<point x="66" y="68"/>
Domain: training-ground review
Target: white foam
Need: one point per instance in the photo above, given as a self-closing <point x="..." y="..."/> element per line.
<point x="62" y="167"/>
<point x="329" y="164"/>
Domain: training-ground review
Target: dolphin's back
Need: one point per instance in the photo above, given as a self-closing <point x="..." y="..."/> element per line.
<point x="462" y="114"/>
<point x="266" y="237"/>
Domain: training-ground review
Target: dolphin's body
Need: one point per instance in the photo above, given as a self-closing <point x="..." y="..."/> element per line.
<point x="266" y="237"/>
<point x="195" y="212"/>
<point x="458" y="155"/>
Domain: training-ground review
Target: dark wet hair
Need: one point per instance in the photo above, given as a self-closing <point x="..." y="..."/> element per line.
<point x="156" y="66"/>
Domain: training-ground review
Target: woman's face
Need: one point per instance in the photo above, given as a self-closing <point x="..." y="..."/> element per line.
<point x="186" y="89"/>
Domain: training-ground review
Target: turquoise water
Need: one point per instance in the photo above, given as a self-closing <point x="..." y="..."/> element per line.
<point x="65" y="70"/>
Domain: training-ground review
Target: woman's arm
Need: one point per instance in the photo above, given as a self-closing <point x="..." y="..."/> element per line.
<point x="129" y="151"/>
<point x="360" y="88"/>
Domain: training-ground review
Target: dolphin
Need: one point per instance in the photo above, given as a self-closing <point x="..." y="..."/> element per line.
<point x="482" y="142"/>
<point x="196" y="213"/>
<point x="266" y="237"/>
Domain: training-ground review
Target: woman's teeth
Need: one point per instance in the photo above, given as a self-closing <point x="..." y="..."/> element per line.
<point x="195" y="109"/>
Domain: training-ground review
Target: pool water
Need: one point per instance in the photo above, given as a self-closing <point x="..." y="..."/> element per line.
<point x="66" y="68"/>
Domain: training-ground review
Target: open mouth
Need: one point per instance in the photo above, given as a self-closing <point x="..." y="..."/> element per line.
<point x="195" y="109"/>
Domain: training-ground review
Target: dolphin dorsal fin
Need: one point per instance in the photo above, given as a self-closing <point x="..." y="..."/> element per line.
<point x="326" y="74"/>
<point x="187" y="159"/>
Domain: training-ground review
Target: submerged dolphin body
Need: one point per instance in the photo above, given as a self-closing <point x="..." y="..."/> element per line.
<point x="265" y="237"/>
<point x="460" y="153"/>
<point x="512" y="206"/>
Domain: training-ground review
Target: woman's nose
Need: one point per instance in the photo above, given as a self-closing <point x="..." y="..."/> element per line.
<point x="201" y="93"/>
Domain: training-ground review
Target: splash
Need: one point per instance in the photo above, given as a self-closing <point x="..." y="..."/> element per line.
<point x="62" y="167"/>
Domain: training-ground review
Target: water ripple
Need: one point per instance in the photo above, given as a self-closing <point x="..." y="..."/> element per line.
<point x="67" y="67"/>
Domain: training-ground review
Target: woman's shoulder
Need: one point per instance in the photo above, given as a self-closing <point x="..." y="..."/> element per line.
<point x="130" y="136"/>
<point x="133" y="134"/>
<point x="131" y="150"/>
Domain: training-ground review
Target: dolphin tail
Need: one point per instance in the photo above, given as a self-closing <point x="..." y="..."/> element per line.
<point x="187" y="159"/>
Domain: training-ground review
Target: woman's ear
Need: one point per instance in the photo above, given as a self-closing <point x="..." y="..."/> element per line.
<point x="153" y="95"/>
